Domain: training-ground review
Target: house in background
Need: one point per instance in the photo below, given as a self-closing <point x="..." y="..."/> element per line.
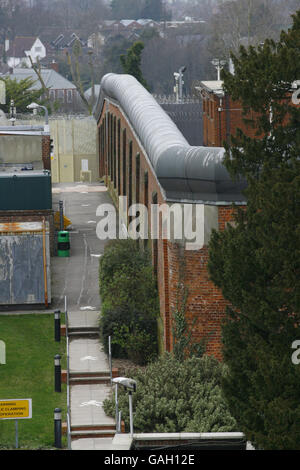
<point x="62" y="91"/>
<point x="18" y="51"/>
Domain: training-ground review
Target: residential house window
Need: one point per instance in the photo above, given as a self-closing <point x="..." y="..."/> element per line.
<point x="69" y="96"/>
<point x="61" y="95"/>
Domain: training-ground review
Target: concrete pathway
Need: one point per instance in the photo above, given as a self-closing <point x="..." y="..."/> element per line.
<point x="89" y="383"/>
<point x="76" y="277"/>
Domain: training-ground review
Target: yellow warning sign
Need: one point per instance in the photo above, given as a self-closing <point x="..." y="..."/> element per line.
<point x="16" y="409"/>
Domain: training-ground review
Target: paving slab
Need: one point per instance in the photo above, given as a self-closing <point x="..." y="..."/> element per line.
<point x="104" y="443"/>
<point x="87" y="355"/>
<point x="83" y="319"/>
<point x="118" y="442"/>
<point x="86" y="405"/>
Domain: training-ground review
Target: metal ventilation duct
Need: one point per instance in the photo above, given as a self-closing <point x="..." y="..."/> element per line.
<point x="185" y="173"/>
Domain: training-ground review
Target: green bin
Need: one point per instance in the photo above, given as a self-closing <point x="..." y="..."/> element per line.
<point x="63" y="247"/>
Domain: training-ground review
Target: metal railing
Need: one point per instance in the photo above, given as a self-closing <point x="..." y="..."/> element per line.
<point x="110" y="359"/>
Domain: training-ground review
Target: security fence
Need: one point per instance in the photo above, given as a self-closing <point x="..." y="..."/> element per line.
<point x="187" y="115"/>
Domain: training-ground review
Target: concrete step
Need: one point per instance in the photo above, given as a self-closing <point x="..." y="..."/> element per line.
<point x="87" y="373"/>
<point x="92" y="434"/>
<point x="84" y="333"/>
<point x="94" y="427"/>
<point x="89" y="380"/>
<point x="83" y="328"/>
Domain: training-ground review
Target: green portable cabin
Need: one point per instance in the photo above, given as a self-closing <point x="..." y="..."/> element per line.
<point x="25" y="190"/>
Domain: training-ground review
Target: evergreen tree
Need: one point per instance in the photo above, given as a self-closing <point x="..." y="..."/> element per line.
<point x="131" y="62"/>
<point x="21" y="93"/>
<point x="256" y="260"/>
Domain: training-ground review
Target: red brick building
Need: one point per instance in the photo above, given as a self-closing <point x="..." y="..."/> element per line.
<point x="143" y="156"/>
<point x="221" y="115"/>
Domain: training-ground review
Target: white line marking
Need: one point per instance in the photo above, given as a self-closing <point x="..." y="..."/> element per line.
<point x="91" y="402"/>
<point x="88" y="358"/>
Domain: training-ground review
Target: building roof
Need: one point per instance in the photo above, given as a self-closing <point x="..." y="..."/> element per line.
<point x="213" y="86"/>
<point x="88" y="93"/>
<point x="52" y="79"/>
<point x="185" y="173"/>
<point x="23" y="130"/>
<point x="20" y="44"/>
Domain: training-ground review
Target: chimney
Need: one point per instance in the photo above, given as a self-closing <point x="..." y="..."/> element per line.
<point x="54" y="66"/>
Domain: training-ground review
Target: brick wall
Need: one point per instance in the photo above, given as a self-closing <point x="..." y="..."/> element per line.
<point x="205" y="306"/>
<point x="46" y="152"/>
<point x="221" y="118"/>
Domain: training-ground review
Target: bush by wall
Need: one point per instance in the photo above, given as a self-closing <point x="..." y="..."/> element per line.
<point x="129" y="301"/>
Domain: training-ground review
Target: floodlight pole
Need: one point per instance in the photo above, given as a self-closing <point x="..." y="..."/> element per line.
<point x="36" y="106"/>
<point x="181" y="70"/>
<point x="46" y="114"/>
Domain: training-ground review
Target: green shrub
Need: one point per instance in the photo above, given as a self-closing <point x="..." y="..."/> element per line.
<point x="129" y="301"/>
<point x="177" y="396"/>
<point x="133" y="336"/>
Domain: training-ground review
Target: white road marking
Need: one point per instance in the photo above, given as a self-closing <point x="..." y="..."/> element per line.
<point x="91" y="402"/>
<point x="88" y="358"/>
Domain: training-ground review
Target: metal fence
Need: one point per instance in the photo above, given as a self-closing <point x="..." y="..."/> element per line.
<point x="187" y="116"/>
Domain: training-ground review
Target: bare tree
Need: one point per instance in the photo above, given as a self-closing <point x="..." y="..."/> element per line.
<point x="73" y="61"/>
<point x="246" y="22"/>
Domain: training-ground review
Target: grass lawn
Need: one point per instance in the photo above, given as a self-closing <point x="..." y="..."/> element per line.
<point x="29" y="373"/>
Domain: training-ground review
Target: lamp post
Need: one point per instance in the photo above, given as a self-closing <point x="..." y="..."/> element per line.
<point x="130" y="385"/>
<point x="36" y="106"/>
